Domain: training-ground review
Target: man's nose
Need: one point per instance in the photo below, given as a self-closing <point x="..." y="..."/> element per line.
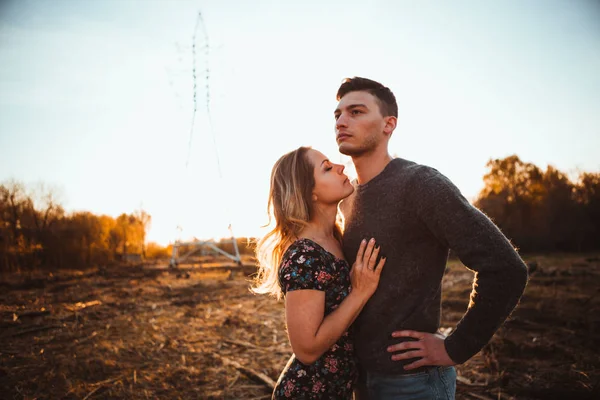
<point x="341" y="121"/>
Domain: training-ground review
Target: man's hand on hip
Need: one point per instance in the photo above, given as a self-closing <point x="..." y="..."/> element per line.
<point x="429" y="348"/>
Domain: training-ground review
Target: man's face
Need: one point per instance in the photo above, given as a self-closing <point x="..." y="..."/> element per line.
<point x="359" y="125"/>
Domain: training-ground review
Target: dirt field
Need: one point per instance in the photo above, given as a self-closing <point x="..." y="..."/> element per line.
<point x="147" y="332"/>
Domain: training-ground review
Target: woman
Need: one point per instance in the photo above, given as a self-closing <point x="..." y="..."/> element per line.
<point x="301" y="258"/>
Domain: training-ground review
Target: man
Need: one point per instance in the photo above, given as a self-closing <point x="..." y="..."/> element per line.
<point x="416" y="215"/>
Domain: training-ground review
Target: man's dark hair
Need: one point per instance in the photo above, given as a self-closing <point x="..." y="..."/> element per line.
<point x="385" y="97"/>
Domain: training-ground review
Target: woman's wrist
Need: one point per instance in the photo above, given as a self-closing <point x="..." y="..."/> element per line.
<point x="360" y="296"/>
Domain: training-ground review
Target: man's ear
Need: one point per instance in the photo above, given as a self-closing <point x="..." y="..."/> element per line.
<point x="390" y="125"/>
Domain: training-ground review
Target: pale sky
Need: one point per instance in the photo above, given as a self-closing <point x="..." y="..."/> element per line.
<point x="96" y="96"/>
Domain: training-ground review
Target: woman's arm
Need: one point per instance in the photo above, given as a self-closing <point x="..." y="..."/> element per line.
<point x="311" y="334"/>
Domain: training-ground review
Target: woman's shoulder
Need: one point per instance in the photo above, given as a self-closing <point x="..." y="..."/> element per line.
<point x="302" y="249"/>
<point x="305" y="266"/>
<point x="306" y="254"/>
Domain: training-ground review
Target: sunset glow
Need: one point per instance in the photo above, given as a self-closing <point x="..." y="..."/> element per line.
<point x="96" y="98"/>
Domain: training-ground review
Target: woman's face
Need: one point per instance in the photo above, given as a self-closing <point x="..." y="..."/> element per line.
<point x="331" y="184"/>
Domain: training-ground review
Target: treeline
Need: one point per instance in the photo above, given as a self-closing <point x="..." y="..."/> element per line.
<point x="538" y="210"/>
<point x="36" y="232"/>
<point x="542" y="210"/>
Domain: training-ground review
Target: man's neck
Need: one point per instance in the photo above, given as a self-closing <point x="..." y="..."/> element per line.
<point x="368" y="166"/>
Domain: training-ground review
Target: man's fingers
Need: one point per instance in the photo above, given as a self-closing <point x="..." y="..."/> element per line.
<point x="408" y="355"/>
<point x="413" y="334"/>
<point x="405" y="346"/>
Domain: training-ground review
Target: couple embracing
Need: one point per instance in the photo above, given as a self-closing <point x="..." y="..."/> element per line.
<point x="360" y="264"/>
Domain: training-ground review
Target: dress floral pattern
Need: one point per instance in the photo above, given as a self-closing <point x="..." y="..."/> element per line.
<point x="307" y="265"/>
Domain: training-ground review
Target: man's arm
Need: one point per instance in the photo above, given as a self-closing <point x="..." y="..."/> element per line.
<point x="500" y="274"/>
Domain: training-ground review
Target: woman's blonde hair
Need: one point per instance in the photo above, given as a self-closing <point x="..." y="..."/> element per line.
<point x="290" y="205"/>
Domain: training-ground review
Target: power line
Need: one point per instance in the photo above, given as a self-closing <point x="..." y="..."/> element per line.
<point x="200" y="24"/>
<point x="175" y="257"/>
<point x="205" y="49"/>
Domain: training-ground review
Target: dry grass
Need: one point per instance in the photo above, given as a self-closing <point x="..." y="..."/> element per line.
<point x="147" y="332"/>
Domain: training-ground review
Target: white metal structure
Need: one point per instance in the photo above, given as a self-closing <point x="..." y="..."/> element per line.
<point x="200" y="245"/>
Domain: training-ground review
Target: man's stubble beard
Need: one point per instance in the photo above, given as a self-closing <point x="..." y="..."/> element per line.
<point x="368" y="146"/>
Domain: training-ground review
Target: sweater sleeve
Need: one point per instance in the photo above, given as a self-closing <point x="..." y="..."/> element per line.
<point x="500" y="273"/>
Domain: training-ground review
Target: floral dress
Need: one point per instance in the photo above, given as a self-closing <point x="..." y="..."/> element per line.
<point x="307" y="265"/>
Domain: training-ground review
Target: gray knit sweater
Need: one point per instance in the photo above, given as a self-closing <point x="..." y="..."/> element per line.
<point x="416" y="214"/>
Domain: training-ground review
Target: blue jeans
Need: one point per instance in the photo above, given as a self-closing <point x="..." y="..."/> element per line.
<point x="436" y="383"/>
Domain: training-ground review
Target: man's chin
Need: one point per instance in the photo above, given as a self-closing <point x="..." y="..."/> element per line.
<point x="348" y="150"/>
